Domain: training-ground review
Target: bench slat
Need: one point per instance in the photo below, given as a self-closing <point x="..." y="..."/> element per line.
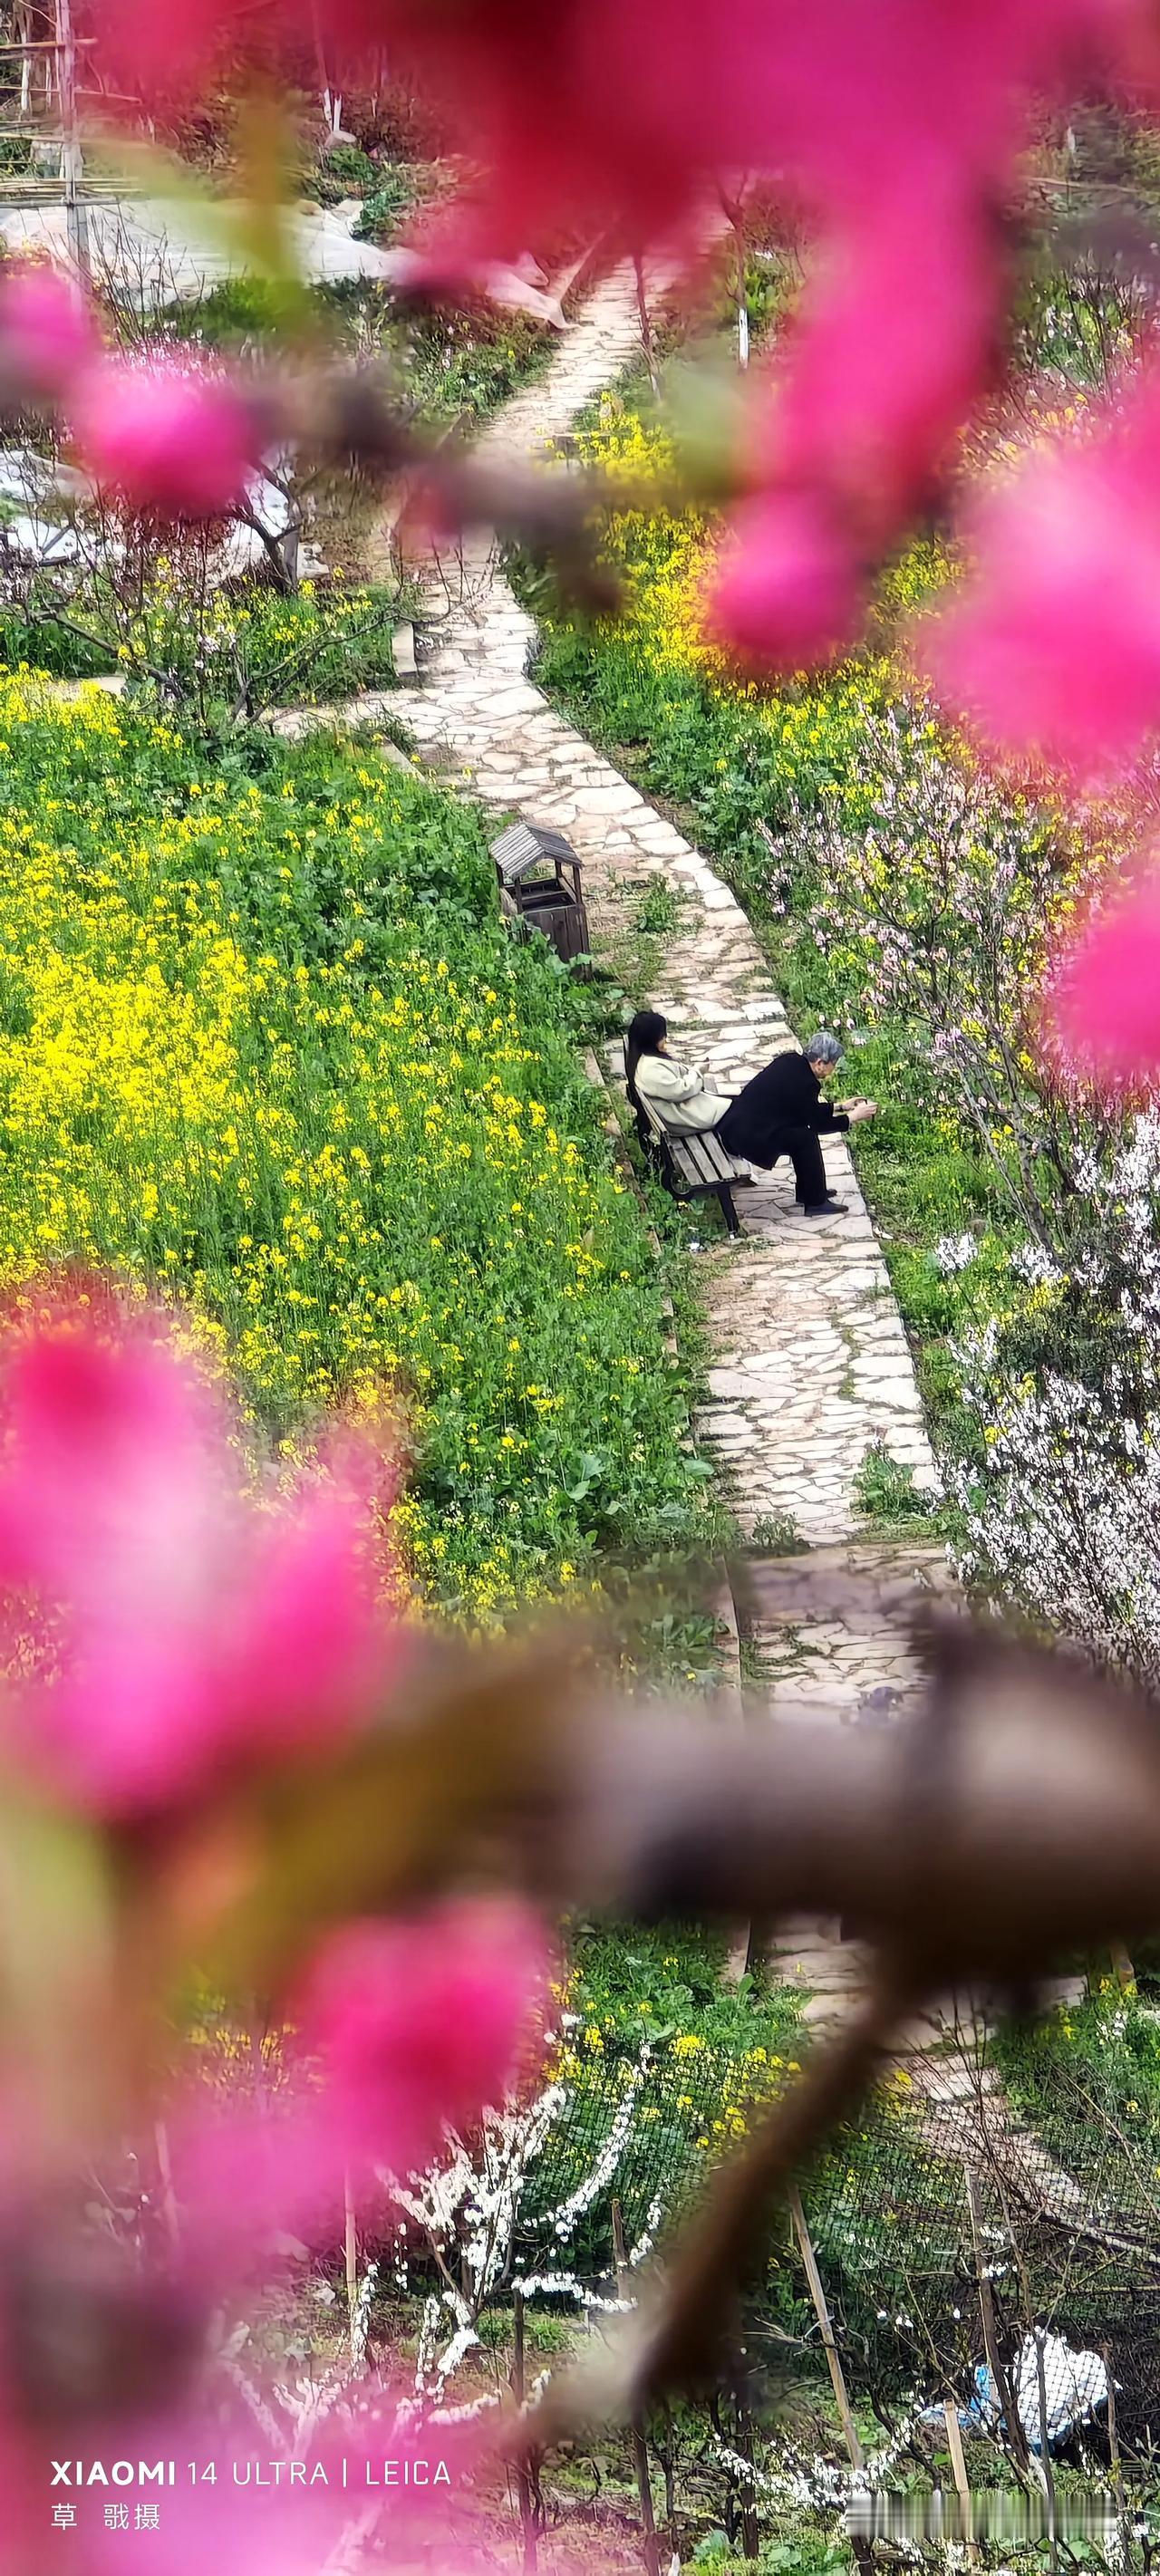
<point x="697" y="1164"/>
<point x="712" y="1157"/>
<point x="700" y="1160"/>
<point x="690" y="1181"/>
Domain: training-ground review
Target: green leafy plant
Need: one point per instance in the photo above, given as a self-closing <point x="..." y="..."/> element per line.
<point x="775" y="1534"/>
<point x="886" y="1490"/>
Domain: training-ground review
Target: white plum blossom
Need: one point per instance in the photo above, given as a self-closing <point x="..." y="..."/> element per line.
<point x="954" y="1252"/>
<point x="1064" y="1511"/>
<point x="468" y="2210"/>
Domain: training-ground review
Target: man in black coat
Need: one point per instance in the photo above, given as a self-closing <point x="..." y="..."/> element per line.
<point x="782" y="1111"/>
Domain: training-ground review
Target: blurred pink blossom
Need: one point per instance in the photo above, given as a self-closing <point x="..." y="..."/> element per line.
<point x="894" y="129"/>
<point x="420" y="2025"/>
<point x="259" y="2517"/>
<point x="1102" y="1004"/>
<point x="1054" y="644"/>
<point x="194" y="1628"/>
<point x="594" y="112"/>
<point x="784" y="591"/>
<point x="893" y="348"/>
<point x="164" y="439"/>
<point x="153" y="54"/>
<point x="627" y="115"/>
<point x="47" y="331"/>
<point x="401" y="2031"/>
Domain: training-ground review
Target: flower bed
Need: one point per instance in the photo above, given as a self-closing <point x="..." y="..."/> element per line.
<point x="263" y="1038"/>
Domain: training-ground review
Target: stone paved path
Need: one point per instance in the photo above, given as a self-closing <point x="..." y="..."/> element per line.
<point x="810" y="1362"/>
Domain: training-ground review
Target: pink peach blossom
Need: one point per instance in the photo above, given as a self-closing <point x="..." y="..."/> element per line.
<point x="610" y="115"/>
<point x="627" y="115"/>
<point x="1102" y="1007"/>
<point x="153" y="53"/>
<point x="893" y="347"/>
<point x="419" y="2025"/>
<point x="401" y="2030"/>
<point x="193" y="1627"/>
<point x="784" y="592"/>
<point x="163" y="440"/>
<point x="1054" y="645"/>
<point x="47" y="332"/>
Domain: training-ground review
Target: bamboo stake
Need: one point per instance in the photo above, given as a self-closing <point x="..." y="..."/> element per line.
<point x="1045" y="2453"/>
<point x="1000" y="2381"/>
<point x="1117" y="2466"/>
<point x="72" y="165"/>
<point x="962" y="2483"/>
<point x="523" y="2472"/>
<point x="822" y="2313"/>
<point x="652" y="2556"/>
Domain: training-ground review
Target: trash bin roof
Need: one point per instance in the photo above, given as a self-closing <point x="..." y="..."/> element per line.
<point x="527" y="845"/>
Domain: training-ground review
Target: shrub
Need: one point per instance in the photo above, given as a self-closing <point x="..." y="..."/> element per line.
<point x="395" y="189"/>
<point x="902" y="898"/>
<point x="213" y="654"/>
<point x="1062" y="1500"/>
<point x="350" y="165"/>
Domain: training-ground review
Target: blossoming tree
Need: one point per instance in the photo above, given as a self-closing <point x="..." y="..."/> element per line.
<point x="222" y="1749"/>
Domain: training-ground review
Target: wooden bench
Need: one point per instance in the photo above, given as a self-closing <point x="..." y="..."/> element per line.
<point x="691" y="1167"/>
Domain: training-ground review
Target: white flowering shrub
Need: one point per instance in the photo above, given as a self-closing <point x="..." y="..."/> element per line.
<point x="936" y="916"/>
<point x="1063" y="1512"/>
<point x="467" y="2213"/>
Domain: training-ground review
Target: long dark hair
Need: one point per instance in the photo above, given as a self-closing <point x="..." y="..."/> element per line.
<point x="645" y="1033"/>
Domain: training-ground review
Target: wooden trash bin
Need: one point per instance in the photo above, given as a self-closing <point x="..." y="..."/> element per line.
<point x="538" y="874"/>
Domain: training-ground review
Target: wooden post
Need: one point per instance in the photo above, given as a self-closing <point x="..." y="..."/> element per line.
<point x="750" y="2534"/>
<point x="669" y="2468"/>
<point x="962" y="2485"/>
<point x="1117" y="2467"/>
<point x="1002" y="2385"/>
<point x="652" y="2555"/>
<point x="527" y="2493"/>
<point x="822" y="2313"/>
<point x="72" y="165"/>
<point x="734" y="211"/>
<point x="1045" y="2453"/>
<point x="350" y="2239"/>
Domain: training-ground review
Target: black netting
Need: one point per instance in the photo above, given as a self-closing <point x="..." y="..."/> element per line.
<point x="1065" y="2225"/>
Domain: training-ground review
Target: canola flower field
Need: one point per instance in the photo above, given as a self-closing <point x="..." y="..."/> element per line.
<point x="263" y="1038"/>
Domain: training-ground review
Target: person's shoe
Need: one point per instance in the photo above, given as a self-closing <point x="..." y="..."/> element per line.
<point x="826" y="1207"/>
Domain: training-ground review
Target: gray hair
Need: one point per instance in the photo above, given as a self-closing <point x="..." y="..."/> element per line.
<point x="823" y="1049"/>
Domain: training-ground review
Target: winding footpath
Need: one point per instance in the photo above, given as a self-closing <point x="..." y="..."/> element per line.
<point x="810" y="1366"/>
<point x="810" y="1363"/>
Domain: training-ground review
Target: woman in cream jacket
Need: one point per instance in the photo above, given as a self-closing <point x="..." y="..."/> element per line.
<point x="677" y="1092"/>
